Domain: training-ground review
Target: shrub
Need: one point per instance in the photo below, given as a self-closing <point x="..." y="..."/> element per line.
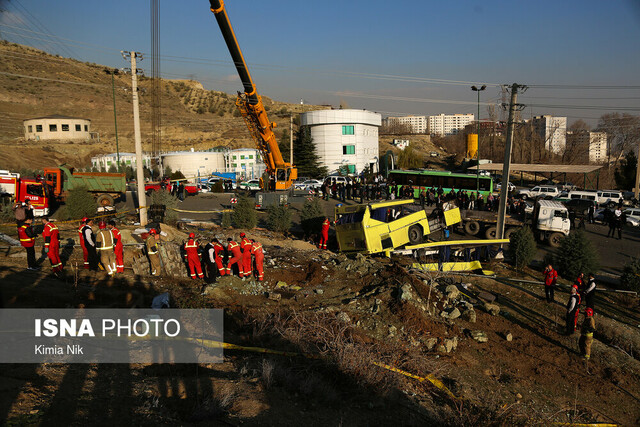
<point x="575" y="255"/>
<point x="164" y="197"/>
<point x="630" y="278"/>
<point x="80" y="203"/>
<point x="279" y="218"/>
<point x="522" y="247"/>
<point x="311" y="217"/>
<point x="244" y="214"/>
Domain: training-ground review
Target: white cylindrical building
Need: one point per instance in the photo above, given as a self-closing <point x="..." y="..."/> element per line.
<point x="344" y="139"/>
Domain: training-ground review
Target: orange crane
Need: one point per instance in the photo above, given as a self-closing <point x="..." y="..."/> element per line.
<point x="281" y="173"/>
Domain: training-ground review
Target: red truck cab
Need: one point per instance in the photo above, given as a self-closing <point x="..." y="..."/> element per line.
<point x="22" y="189"/>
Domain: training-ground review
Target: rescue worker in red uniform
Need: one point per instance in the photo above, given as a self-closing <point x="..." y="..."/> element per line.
<point x="28" y="240"/>
<point x="119" y="248"/>
<point x="235" y="256"/>
<point x="550" y="279"/>
<point x="324" y="234"/>
<point x="193" y="259"/>
<point x="245" y="245"/>
<point x="52" y="244"/>
<point x="258" y="253"/>
<point x="218" y="253"/>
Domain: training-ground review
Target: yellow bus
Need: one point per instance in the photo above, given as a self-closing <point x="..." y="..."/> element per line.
<point x="384" y="226"/>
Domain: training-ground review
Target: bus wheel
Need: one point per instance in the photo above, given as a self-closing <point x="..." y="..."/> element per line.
<point x="472" y="227"/>
<point x="556" y="239"/>
<point x="415" y="234"/>
<point x="490" y="233"/>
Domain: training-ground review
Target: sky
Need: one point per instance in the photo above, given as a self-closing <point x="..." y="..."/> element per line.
<point x="580" y="59"/>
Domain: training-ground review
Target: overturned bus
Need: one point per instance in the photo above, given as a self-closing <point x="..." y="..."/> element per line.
<point x="385" y="226"/>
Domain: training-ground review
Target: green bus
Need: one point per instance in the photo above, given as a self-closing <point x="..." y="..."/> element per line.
<point x="421" y="179"/>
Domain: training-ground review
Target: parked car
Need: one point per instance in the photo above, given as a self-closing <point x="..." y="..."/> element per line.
<point x="251" y="185"/>
<point x="510" y="186"/>
<point x="310" y="184"/>
<point x="337" y="179"/>
<point x="539" y="191"/>
<point x="633" y="216"/>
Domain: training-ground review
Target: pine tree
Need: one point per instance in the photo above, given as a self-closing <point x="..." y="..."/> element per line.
<point x="304" y="155"/>
<point x="575" y="255"/>
<point x="522" y="247"/>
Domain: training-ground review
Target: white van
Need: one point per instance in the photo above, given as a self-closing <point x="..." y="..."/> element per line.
<point x="609" y="197"/>
<point x="587" y="195"/>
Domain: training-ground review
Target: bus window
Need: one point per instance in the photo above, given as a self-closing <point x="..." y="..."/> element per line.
<point x="379" y="214"/>
<point x="485" y="184"/>
<point x="350" y="218"/>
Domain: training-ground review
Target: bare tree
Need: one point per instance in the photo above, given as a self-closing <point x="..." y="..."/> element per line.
<point x="392" y="127"/>
<point x="623" y="132"/>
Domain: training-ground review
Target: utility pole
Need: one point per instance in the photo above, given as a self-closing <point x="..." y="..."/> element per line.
<point x="291" y="139"/>
<point x="506" y="167"/>
<point x="478" y="89"/>
<point x="636" y="189"/>
<point x="115" y="117"/>
<point x="142" y="200"/>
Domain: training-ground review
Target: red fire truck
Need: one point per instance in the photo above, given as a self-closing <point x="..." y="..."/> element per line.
<point x="22" y="189"/>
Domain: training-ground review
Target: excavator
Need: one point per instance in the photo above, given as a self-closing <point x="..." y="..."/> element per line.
<point x="280" y="173"/>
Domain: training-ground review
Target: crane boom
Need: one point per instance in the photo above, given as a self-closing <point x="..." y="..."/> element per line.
<point x="281" y="173"/>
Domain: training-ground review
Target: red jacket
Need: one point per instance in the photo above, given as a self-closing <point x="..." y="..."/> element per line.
<point x="218" y="248"/>
<point x="191" y="248"/>
<point x="234" y="247"/>
<point x="550" y="277"/>
<point x="325" y="225"/>
<point x="50" y="235"/>
<point x="117" y="237"/>
<point x="27" y="236"/>
<point x="245" y="244"/>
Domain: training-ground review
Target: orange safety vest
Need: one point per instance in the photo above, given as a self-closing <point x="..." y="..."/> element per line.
<point x="245" y="244"/>
<point x="256" y="247"/>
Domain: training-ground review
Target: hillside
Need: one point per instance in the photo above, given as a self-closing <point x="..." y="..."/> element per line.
<point x="34" y="83"/>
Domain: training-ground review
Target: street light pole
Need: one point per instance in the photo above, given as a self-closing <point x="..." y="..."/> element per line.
<point x="476" y="89"/>
<point x="115" y="118"/>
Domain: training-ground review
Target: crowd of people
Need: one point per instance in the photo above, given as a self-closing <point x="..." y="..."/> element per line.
<point x="582" y="290"/>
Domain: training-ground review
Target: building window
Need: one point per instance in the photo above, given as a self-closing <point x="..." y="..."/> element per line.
<point x="78" y="128"/>
<point x="65" y="128"/>
<point x="348" y="149"/>
<point x="206" y="158"/>
<point x="38" y="128"/>
<point x="250" y="156"/>
<point x="108" y="162"/>
<point x="234" y="165"/>
<point x="30" y="128"/>
<point x="86" y="128"/>
<point x="351" y="168"/>
<point x="53" y="128"/>
<point x="128" y="162"/>
<point x="242" y="157"/>
<point x="242" y="165"/>
<point x="347" y="130"/>
<point x="234" y="157"/>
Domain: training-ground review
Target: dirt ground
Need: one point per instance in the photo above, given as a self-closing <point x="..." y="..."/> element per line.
<point x="354" y="311"/>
